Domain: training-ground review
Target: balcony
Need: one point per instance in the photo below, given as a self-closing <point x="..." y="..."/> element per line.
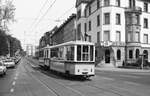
<point x="134" y="10"/>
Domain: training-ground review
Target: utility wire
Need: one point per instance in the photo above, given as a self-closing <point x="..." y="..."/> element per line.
<point x="58" y="19"/>
<point x="44" y="14"/>
<point x="38" y="14"/>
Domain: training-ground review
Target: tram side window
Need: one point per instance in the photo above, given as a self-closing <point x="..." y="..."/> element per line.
<point x="85" y="53"/>
<point x="70" y="53"/>
<point x="79" y="52"/>
<point x="54" y="53"/>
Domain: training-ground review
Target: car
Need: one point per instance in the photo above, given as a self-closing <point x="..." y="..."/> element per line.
<point x="9" y="63"/>
<point x="2" y="68"/>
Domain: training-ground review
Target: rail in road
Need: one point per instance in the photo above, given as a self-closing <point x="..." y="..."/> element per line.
<point x="99" y="86"/>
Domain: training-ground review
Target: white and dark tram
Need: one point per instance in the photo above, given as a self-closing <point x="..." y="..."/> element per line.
<point x="72" y="58"/>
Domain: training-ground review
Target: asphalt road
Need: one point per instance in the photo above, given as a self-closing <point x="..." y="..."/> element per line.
<point x="28" y="79"/>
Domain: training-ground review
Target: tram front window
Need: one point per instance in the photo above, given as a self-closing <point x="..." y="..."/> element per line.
<point x="91" y="53"/>
<point x="79" y="53"/>
<point x="85" y="54"/>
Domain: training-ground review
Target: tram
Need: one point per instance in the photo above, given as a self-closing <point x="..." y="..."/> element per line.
<point x="75" y="58"/>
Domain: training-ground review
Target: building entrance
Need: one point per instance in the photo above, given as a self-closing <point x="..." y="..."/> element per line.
<point x="107" y="56"/>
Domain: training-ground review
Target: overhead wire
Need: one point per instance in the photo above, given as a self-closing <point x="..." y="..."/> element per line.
<point x="38" y="14"/>
<point x="44" y="14"/>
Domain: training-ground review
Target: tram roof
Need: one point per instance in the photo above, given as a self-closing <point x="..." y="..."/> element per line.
<point x="71" y="43"/>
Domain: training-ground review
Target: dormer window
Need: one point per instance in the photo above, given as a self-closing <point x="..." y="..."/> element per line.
<point x="106" y="3"/>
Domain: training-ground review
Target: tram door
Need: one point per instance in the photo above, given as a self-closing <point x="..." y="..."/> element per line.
<point x="107" y="56"/>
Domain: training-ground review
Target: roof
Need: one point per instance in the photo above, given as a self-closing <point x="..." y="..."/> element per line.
<point x="145" y="1"/>
<point x="71" y="43"/>
<point x="78" y="2"/>
<point x="73" y="16"/>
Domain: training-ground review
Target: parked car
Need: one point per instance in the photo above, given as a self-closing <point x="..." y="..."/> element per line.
<point x="9" y="63"/>
<point x="2" y="68"/>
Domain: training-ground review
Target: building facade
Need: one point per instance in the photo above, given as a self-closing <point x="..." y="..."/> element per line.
<point x="66" y="32"/>
<point x="120" y="29"/>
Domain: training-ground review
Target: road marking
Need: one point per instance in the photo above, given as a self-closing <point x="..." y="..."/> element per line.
<point x="16" y="74"/>
<point x="129" y="76"/>
<point x="12" y="90"/>
<point x="107" y="78"/>
<point x="14" y="83"/>
<point x="132" y="83"/>
<point x="15" y="78"/>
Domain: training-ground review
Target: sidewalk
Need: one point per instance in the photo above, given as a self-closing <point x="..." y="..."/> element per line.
<point x="121" y="69"/>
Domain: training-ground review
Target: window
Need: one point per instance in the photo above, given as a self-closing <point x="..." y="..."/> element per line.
<point x="137" y="53"/>
<point x="79" y="14"/>
<point x="130" y="54"/>
<point x="91" y="53"/>
<point x="79" y="53"/>
<point x="85" y="13"/>
<point x="98" y="36"/>
<point x="98" y="20"/>
<point x="131" y="3"/>
<point x="107" y="18"/>
<point x="118" y="54"/>
<point x="89" y="25"/>
<point x="146" y="7"/>
<point x="70" y="53"/>
<point x="146" y="54"/>
<point x="85" y="27"/>
<point x="137" y="20"/>
<point x="78" y="31"/>
<point x="129" y="36"/>
<point x="118" y="36"/>
<point x="145" y="23"/>
<point x="137" y="37"/>
<point x="106" y="2"/>
<point x="118" y="3"/>
<point x="118" y="21"/>
<point x="90" y="39"/>
<point x="106" y="36"/>
<point x="85" y="53"/>
<point x="98" y="4"/>
<point x="145" y="38"/>
<point x="89" y="10"/>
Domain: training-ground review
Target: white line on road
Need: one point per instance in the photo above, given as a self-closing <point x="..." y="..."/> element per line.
<point x="14" y="83"/>
<point x="132" y="83"/>
<point x="15" y="78"/>
<point x="11" y="90"/>
<point x="130" y="76"/>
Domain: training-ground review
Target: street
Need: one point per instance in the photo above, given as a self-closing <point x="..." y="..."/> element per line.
<point x="28" y="79"/>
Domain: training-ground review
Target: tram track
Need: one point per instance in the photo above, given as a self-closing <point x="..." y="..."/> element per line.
<point x="115" y="92"/>
<point x="54" y="91"/>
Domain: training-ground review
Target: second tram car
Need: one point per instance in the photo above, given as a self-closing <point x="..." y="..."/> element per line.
<point x="72" y="58"/>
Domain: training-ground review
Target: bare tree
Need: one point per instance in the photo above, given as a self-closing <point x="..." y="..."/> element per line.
<point x="7" y="11"/>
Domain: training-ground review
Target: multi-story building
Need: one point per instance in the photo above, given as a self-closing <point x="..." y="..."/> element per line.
<point x="66" y="32"/>
<point x="120" y="29"/>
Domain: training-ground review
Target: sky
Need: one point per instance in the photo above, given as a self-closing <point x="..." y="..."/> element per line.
<point x="35" y="17"/>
